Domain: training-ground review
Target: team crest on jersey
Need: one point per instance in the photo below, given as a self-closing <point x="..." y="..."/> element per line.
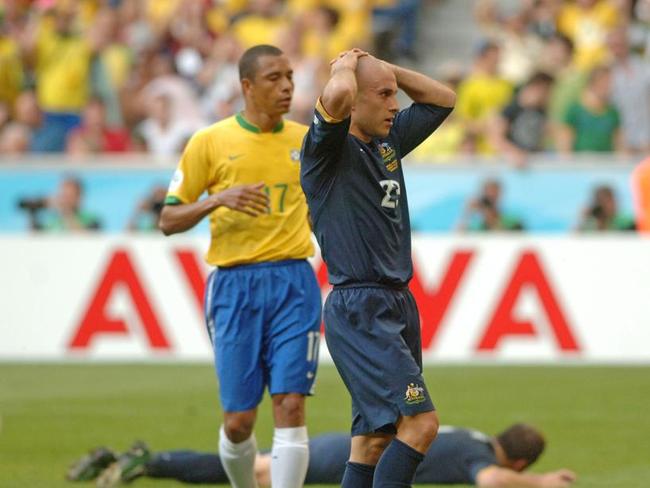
<point x="388" y="155"/>
<point x="176" y="181"/>
<point x="414" y="394"/>
<point x="294" y="154"/>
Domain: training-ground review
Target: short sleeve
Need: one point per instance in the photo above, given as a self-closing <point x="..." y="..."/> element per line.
<point x="193" y="174"/>
<point x="414" y="124"/>
<point x="475" y="467"/>
<point x="322" y="148"/>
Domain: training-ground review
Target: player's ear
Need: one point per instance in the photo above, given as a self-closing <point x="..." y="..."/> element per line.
<point x="246" y="85"/>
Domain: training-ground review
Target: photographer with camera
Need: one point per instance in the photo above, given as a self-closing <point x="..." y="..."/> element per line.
<point x="147" y="214"/>
<point x="602" y="214"/>
<point x="483" y="213"/>
<point x="62" y="211"/>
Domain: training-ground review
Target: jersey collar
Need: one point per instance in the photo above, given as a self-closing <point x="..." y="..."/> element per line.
<point x="245" y="124"/>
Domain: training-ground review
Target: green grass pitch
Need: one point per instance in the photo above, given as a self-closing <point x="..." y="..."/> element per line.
<point x="596" y="418"/>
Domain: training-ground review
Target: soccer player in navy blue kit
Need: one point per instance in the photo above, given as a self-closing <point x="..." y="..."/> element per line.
<point x="458" y="456"/>
<point x="351" y="174"/>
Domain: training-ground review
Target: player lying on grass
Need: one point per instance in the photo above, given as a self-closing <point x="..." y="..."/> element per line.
<point x="457" y="456"/>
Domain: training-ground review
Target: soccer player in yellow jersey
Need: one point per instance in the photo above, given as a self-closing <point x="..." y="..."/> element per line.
<point x="263" y="303"/>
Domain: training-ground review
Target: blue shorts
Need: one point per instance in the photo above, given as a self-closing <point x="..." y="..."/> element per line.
<point x="264" y="324"/>
<point x="373" y="335"/>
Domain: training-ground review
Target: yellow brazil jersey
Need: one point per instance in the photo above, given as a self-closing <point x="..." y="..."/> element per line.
<point x="62" y="71"/>
<point x="234" y="152"/>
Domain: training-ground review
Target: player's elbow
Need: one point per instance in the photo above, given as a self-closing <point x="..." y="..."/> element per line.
<point x="448" y="98"/>
<point x="165" y="224"/>
<point x="164" y="228"/>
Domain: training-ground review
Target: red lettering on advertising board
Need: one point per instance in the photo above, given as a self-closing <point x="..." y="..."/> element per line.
<point x="96" y="320"/>
<point x="194" y="274"/>
<point x="434" y="303"/>
<point x="528" y="273"/>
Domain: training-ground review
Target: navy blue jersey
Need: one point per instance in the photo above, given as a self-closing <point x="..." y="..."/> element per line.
<point x="456" y="456"/>
<point x="357" y="198"/>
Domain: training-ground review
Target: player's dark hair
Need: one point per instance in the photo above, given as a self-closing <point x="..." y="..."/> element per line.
<point x="521" y="441"/>
<point x="248" y="64"/>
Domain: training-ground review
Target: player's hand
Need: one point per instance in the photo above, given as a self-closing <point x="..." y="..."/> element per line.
<point x="249" y="199"/>
<point x="559" y="479"/>
<point x="347" y="59"/>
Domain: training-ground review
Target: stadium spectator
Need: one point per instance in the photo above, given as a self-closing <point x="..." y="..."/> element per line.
<point x="587" y="23"/>
<point x="11" y="65"/>
<point x="93" y="136"/>
<point x="14" y="139"/>
<point x="261" y="23"/>
<point x="458" y="456"/>
<point x="62" y="55"/>
<point x="602" y="213"/>
<point x="182" y="97"/>
<point x="641" y="193"/>
<point x="542" y="18"/>
<point x="569" y="81"/>
<point x="161" y="132"/>
<point x="483" y="213"/>
<point x="592" y="123"/>
<point x="219" y="76"/>
<point x="483" y="93"/>
<point x="61" y="212"/>
<point x="28" y="113"/>
<point x="521" y="127"/>
<point x="452" y="140"/>
<point x="507" y="24"/>
<point x="631" y="92"/>
<point x="396" y="16"/>
<point x="4" y="114"/>
<point x="147" y="213"/>
<point x="309" y="74"/>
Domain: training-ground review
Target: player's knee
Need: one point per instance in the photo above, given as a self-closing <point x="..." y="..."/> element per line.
<point x="289" y="410"/>
<point x="369" y="450"/>
<point x="239" y="426"/>
<point x="375" y="449"/>
<point x="422" y="427"/>
<point x="427" y="424"/>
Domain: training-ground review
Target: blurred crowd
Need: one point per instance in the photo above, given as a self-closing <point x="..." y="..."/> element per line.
<point x="551" y="76"/>
<point x="110" y="76"/>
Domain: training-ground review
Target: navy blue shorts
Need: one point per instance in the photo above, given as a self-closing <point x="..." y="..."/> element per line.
<point x="264" y="323"/>
<point x="373" y="335"/>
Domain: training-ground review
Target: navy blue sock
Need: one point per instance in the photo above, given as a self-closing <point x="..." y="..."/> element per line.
<point x="187" y="466"/>
<point x="397" y="465"/>
<point x="357" y="475"/>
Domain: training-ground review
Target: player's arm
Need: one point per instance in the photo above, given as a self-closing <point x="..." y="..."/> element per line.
<point x="340" y="90"/>
<point x="433" y="104"/>
<point x="422" y="89"/>
<point x="498" y="477"/>
<point x="179" y="217"/>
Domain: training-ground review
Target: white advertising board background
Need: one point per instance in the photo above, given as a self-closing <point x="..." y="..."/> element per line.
<point x="489" y="298"/>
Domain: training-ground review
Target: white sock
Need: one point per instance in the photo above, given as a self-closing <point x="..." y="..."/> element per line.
<point x="238" y="460"/>
<point x="289" y="457"/>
